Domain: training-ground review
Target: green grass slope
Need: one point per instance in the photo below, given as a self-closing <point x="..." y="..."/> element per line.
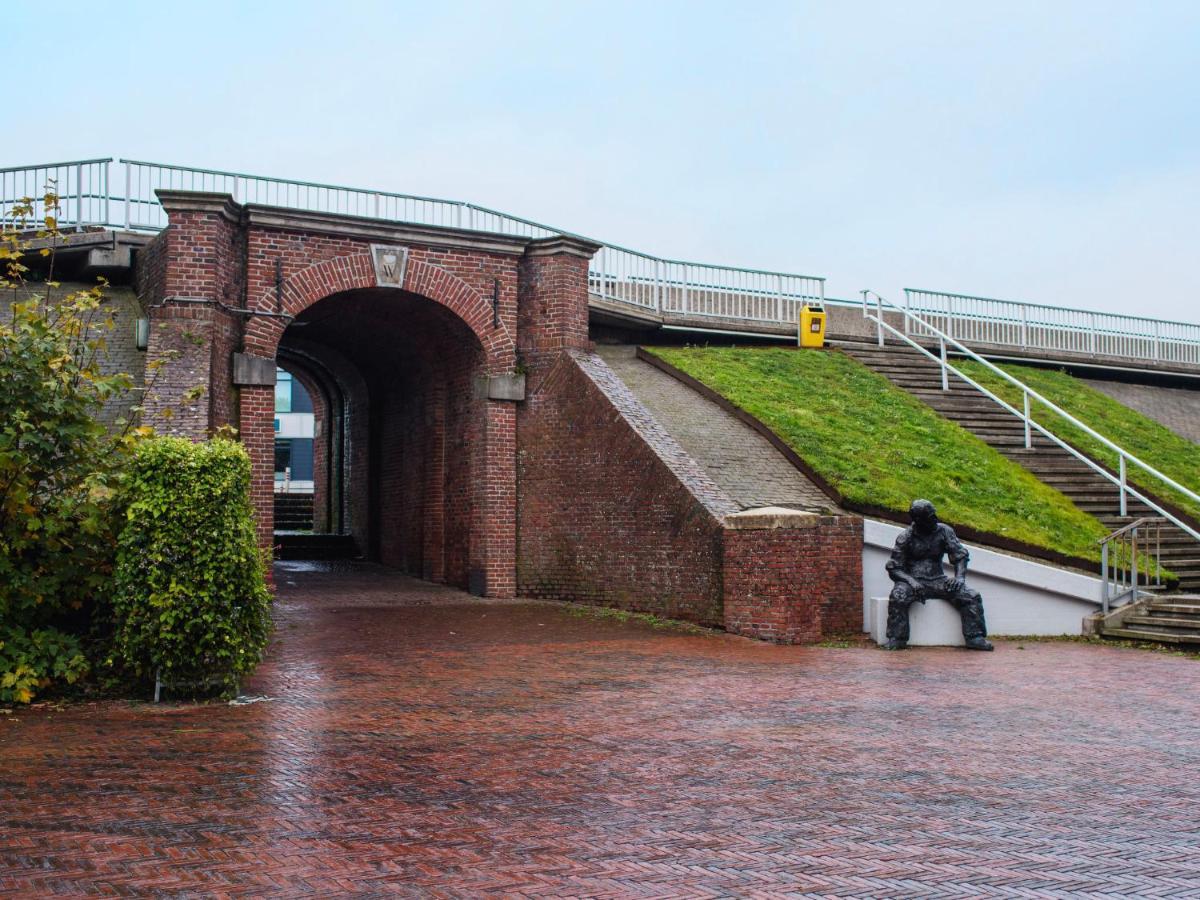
<point x="879" y="445"/>
<point x="1174" y="456"/>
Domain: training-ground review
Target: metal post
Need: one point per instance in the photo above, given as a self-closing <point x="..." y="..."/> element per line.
<point x="1133" y="564"/>
<point x="658" y="291"/>
<point x="945" y="372"/>
<point x="879" y="318"/>
<point x="686" y="299"/>
<point x="79" y="198"/>
<point x="1028" y="425"/>
<point x="1104" y="576"/>
<point x="107" y="195"/>
<point x="1124" y="505"/>
<point x="907" y="313"/>
<point x="778" y="298"/>
<point x="1157" y="340"/>
<point x="1024" y="327"/>
<point x="128" y="189"/>
<point x="1092" y="336"/>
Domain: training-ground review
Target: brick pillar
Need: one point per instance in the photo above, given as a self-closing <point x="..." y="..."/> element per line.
<point x="552" y="301"/>
<point x="494" y="510"/>
<point x="321" y="439"/>
<point x="792" y="577"/>
<point x="197" y="279"/>
<point x="257" y="430"/>
<point x="434" y="531"/>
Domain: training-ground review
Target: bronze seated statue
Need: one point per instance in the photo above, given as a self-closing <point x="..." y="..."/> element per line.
<point x="916" y="569"/>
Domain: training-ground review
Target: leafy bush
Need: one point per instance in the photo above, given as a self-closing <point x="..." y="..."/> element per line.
<point x="29" y="660"/>
<point x="58" y="470"/>
<point x="191" y="602"/>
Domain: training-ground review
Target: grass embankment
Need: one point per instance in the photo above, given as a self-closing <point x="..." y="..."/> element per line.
<point x="879" y="445"/>
<point x="1174" y="456"/>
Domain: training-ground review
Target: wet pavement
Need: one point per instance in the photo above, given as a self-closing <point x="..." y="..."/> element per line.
<point x="416" y="741"/>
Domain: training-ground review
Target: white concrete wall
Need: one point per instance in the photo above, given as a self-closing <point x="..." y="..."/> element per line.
<point x="1019" y="596"/>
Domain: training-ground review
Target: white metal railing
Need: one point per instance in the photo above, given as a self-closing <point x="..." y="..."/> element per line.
<point x="616" y="274"/>
<point x="82" y="187"/>
<point x="121" y="194"/>
<point x="1030" y="326"/>
<point x="1130" y="557"/>
<point x="914" y="324"/>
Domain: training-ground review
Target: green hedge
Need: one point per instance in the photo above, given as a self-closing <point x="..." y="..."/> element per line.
<point x="191" y="602"/>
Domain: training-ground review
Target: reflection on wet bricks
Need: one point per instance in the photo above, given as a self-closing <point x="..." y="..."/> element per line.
<point x="420" y="741"/>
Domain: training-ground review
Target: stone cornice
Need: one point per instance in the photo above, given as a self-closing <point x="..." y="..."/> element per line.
<point x="221" y="204"/>
<point x="562" y="243"/>
<point x="382" y="231"/>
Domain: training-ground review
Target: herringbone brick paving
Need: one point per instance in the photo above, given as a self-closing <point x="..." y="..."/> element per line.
<point x="419" y="742"/>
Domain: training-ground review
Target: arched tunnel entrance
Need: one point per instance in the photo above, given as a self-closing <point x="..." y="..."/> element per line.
<point x="397" y="429"/>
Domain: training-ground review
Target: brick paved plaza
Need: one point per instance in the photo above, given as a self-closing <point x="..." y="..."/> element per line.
<point x="422" y="742"/>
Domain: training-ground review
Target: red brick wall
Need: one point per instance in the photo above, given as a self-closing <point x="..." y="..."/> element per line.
<point x="552" y="316"/>
<point x="794" y="585"/>
<point x="602" y="516"/>
<point x="258" y="436"/>
<point x="189" y="273"/>
<point x="613" y="512"/>
<point x="150" y="276"/>
<point x="578" y="484"/>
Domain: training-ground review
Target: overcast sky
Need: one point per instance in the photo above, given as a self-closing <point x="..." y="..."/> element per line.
<point x="1044" y="151"/>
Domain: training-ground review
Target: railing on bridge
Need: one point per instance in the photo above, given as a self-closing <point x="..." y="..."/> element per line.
<point x="99" y="192"/>
<point x="91" y="197"/>
<point x="1030" y="326"/>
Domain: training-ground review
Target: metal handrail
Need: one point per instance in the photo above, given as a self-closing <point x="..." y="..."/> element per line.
<point x="1119" y="564"/>
<point x="57" y="165"/>
<point x="1028" y="394"/>
<point x="987" y="320"/>
<point x="1023" y="303"/>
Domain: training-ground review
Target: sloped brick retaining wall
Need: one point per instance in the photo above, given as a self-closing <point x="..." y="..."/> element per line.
<point x="613" y="512"/>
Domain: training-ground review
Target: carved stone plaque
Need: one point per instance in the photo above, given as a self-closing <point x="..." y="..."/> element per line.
<point x="390" y="264"/>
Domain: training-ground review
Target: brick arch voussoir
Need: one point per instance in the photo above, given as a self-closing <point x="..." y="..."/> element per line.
<point x="357" y="271"/>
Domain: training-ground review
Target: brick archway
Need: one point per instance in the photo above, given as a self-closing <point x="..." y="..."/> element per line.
<point x="492" y="541"/>
<point x="224" y="280"/>
<point x="356" y="271"/>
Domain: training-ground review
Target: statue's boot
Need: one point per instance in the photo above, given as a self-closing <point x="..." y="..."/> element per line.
<point x="979" y="643"/>
<point x="895" y="644"/>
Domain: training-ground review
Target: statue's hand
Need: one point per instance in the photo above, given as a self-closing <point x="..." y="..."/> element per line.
<point x="954" y="585"/>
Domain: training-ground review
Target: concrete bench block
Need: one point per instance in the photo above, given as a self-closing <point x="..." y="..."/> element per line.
<point x="934" y="623"/>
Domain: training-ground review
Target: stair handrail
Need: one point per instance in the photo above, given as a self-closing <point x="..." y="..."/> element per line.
<point x="1028" y="393"/>
<point x="1119" y="571"/>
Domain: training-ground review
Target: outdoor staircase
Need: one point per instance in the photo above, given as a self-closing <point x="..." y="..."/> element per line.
<point x="293" y="512"/>
<point x="909" y="369"/>
<point x="1170" y="619"/>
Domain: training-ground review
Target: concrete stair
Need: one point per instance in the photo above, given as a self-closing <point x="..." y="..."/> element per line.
<point x="293" y="512"/>
<point x="1087" y="489"/>
<point x="1171" y="619"/>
